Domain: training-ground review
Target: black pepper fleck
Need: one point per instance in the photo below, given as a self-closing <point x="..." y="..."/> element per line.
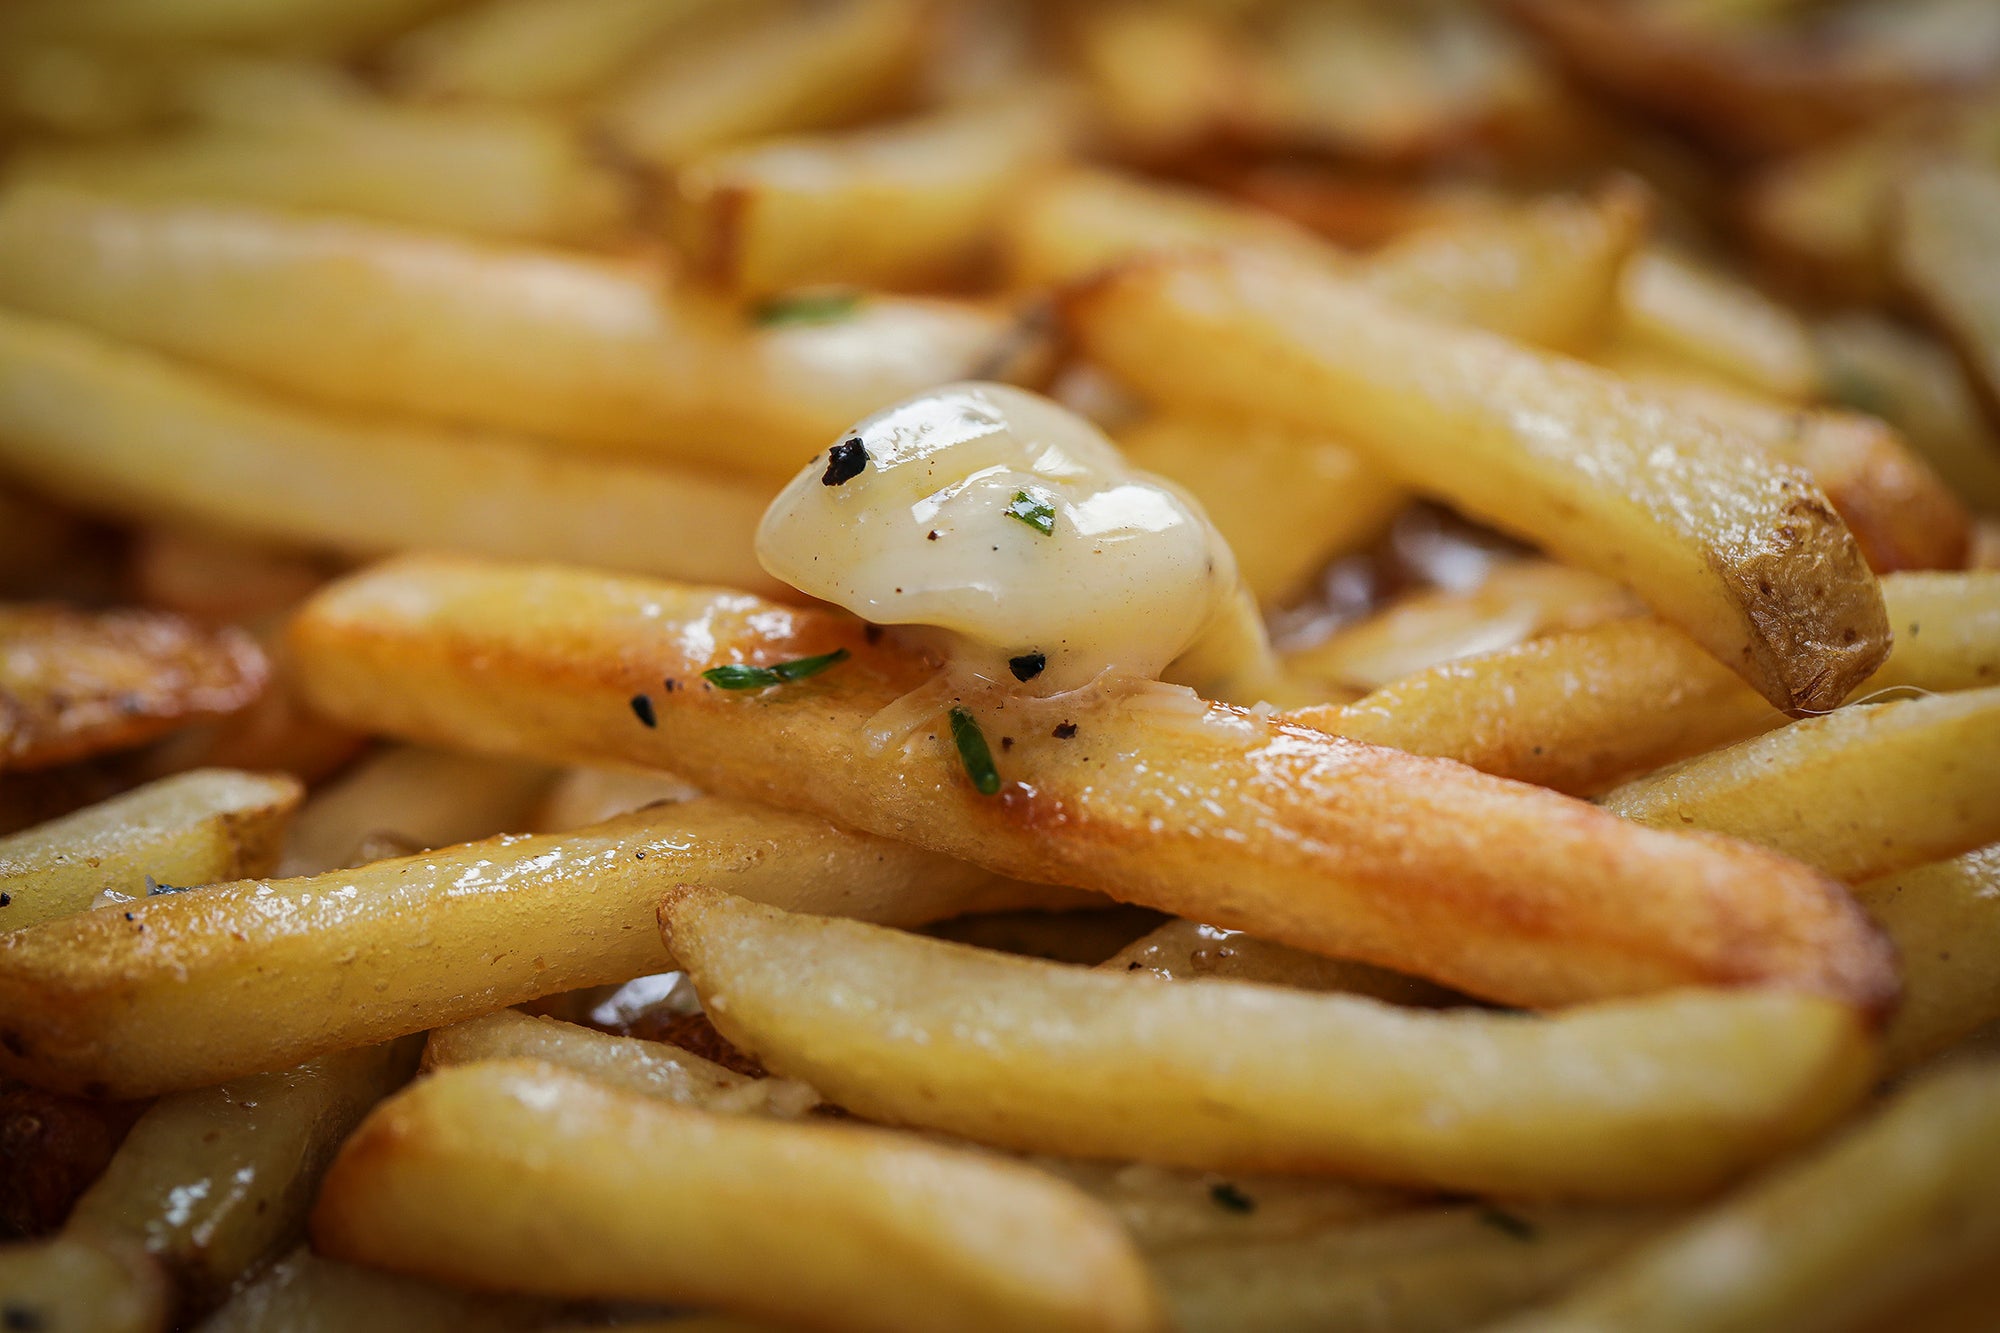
<point x="5" y="899"/>
<point x="1006" y="743"/>
<point x="844" y="462"/>
<point x="1064" y="731"/>
<point x="872" y="633"/>
<point x="643" y="708"/>
<point x="931" y="536"/>
<point x="1028" y="665"/>
<point x="1228" y="1196"/>
<point x="21" y="1319"/>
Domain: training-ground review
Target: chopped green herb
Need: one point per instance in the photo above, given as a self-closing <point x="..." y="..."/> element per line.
<point x="1037" y="514"/>
<point x="806" y="308"/>
<point x="1520" y="1228"/>
<point x="972" y="752"/>
<point x="737" y="676"/>
<point x="1228" y="1196"/>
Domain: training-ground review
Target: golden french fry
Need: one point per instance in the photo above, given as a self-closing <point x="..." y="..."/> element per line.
<point x="1948" y="227"/>
<point x="784" y="213"/>
<point x="128" y="1002"/>
<point x="304" y="1291"/>
<point x="1909" y="1195"/>
<point x="1434" y="1270"/>
<point x="1166" y="1209"/>
<point x="1162" y="76"/>
<point x="319" y="25"/>
<point x="1663" y="1096"/>
<point x="1518" y="601"/>
<point x="1189" y="951"/>
<point x="86" y="418"/>
<point x="532" y="50"/>
<point x="1743" y="554"/>
<point x="220" y="580"/>
<point x="79" y="1285"/>
<point x="1581" y="710"/>
<point x="192" y="828"/>
<point x="213" y="1182"/>
<point x="762" y="72"/>
<point x="1668" y="300"/>
<point x="1862" y="791"/>
<point x="1942" y="920"/>
<point x="584" y="795"/>
<point x="76" y="683"/>
<point x="568" y="346"/>
<point x="1286" y="501"/>
<point x="1305" y="839"/>
<point x="427" y="798"/>
<point x="519" y="1176"/>
<point x="79" y="88"/>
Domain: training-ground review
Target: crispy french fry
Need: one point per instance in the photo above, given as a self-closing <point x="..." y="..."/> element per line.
<point x="784" y="213"/>
<point x="532" y="50"/>
<point x="108" y="1005"/>
<point x="76" y="683"/>
<point x="320" y="25"/>
<point x="1682" y="1090"/>
<point x="1307" y="840"/>
<point x="1669" y="301"/>
<point x="78" y="1285"/>
<point x="1286" y="501"/>
<point x="1424" y="1272"/>
<point x="1743" y="554"/>
<point x="1518" y="601"/>
<point x="1942" y="919"/>
<point x="1581" y="710"/>
<point x="763" y="72"/>
<point x="583" y="795"/>
<point x="216" y="1181"/>
<point x="571" y="347"/>
<point x="1909" y="1195"/>
<point x="427" y="798"/>
<point x="193" y="828"/>
<point x="87" y="418"/>
<point x="519" y="1176"/>
<point x="1188" y="951"/>
<point x="304" y="1291"/>
<point x="1862" y="791"/>
<point x="1949" y="224"/>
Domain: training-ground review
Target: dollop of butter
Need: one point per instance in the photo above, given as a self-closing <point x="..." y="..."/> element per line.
<point x="1035" y="554"/>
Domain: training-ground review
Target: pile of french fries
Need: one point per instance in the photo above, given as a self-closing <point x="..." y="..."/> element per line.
<point x="1586" y="921"/>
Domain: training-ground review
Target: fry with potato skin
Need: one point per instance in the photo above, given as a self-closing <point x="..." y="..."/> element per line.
<point x="1496" y="888"/>
<point x="127" y="1002"/>
<point x="1743" y="554"/>
<point x="1042" y="1057"/>
<point x="198" y="827"/>
<point x="76" y="683"/>
<point x="517" y="1175"/>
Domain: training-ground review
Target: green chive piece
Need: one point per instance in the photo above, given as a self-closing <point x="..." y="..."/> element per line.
<point x="1037" y="514"/>
<point x="806" y="308"/>
<point x="1520" y="1228"/>
<point x="972" y="752"/>
<point x="737" y="676"/>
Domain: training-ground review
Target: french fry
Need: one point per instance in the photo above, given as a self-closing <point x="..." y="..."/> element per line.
<point x="1949" y="223"/>
<point x="583" y="795"/>
<point x="1549" y="901"/>
<point x="216" y="1181"/>
<point x="76" y="683"/>
<point x="1862" y="791"/>
<point x="428" y="798"/>
<point x="1161" y="76"/>
<point x="1579" y="711"/>
<point x="88" y="418"/>
<point x="1188" y="950"/>
<point x="316" y="25"/>
<point x="110" y="1006"/>
<point x="193" y="828"/>
<point x="1682" y="1090"/>
<point x="304" y="1291"/>
<point x="1744" y="555"/>
<point x="217" y="580"/>
<point x="1286" y="501"/>
<point x="763" y="72"/>
<point x="78" y="88"/>
<point x="1941" y="918"/>
<point x="1167" y="1210"/>
<point x="1904" y="1198"/>
<point x="784" y="213"/>
<point x="1518" y="601"/>
<point x="570" y="347"/>
<point x="1436" y="1269"/>
<point x="531" y="50"/>
<point x="72" y="1284"/>
<point x="51" y="1148"/>
<point x="1669" y="301"/>
<point x="519" y="1176"/>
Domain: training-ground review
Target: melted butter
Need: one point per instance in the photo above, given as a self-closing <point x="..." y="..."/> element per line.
<point x="1129" y="576"/>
